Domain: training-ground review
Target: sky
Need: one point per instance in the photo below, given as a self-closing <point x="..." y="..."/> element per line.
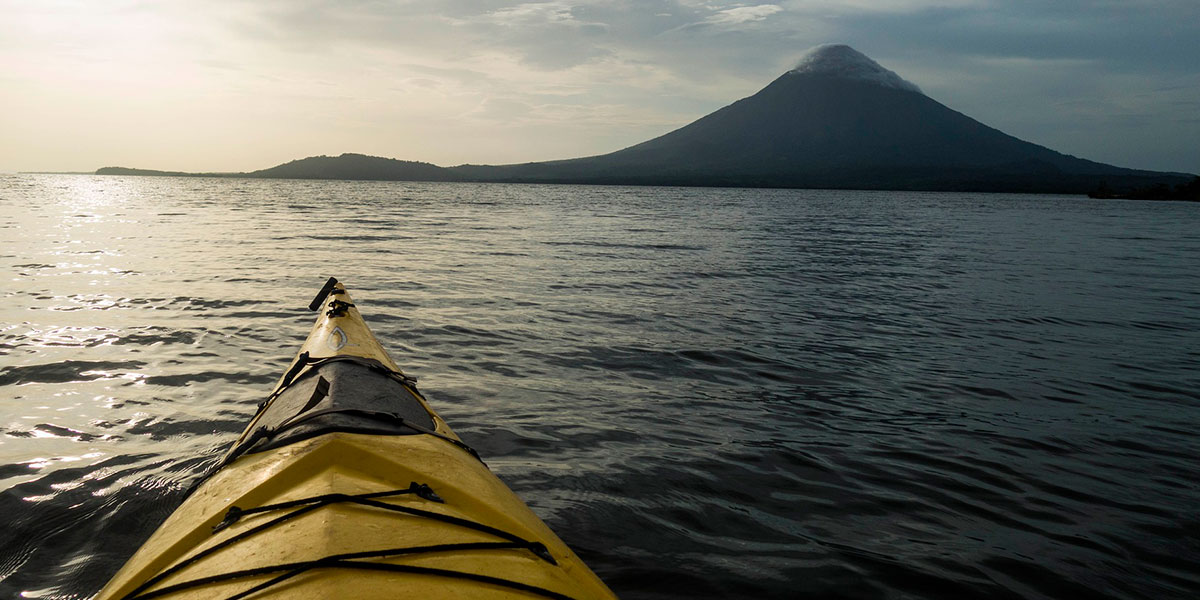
<point x="225" y="85"/>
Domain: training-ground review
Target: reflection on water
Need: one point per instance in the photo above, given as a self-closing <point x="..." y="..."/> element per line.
<point x="718" y="393"/>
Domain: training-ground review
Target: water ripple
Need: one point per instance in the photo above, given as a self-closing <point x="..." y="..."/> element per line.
<point x="707" y="393"/>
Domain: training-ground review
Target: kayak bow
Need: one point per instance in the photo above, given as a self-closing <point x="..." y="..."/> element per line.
<point x="346" y="484"/>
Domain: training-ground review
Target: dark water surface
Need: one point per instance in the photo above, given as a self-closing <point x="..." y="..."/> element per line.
<point x="707" y="393"/>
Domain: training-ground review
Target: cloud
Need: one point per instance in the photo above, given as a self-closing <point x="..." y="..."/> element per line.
<point x="844" y="7"/>
<point x="545" y="35"/>
<point x="845" y="62"/>
<point x="740" y="15"/>
<point x="535" y="13"/>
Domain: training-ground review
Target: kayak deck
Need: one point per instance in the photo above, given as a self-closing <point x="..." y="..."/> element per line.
<point x="346" y="484"/>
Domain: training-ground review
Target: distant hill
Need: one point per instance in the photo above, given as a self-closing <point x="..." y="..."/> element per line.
<point x="356" y="166"/>
<point x="149" y="172"/>
<point x="838" y="120"/>
<point x="1189" y="191"/>
<point x="346" y="166"/>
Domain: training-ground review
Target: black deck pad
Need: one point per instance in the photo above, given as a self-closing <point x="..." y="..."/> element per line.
<point x="340" y="395"/>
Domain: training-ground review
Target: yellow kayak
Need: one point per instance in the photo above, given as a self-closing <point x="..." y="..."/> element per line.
<point x="346" y="484"/>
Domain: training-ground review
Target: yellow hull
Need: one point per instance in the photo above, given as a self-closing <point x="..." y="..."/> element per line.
<point x="319" y="506"/>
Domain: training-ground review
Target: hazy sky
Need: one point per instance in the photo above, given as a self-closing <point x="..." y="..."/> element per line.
<point x="226" y="85"/>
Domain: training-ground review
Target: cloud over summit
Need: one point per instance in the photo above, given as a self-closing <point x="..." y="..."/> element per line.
<point x="842" y="61"/>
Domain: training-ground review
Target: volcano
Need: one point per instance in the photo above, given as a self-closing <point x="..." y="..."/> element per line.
<point x="838" y="120"/>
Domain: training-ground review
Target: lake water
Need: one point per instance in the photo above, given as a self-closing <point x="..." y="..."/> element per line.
<point x="705" y="392"/>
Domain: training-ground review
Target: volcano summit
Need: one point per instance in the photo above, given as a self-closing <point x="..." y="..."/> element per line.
<point x="843" y="62"/>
